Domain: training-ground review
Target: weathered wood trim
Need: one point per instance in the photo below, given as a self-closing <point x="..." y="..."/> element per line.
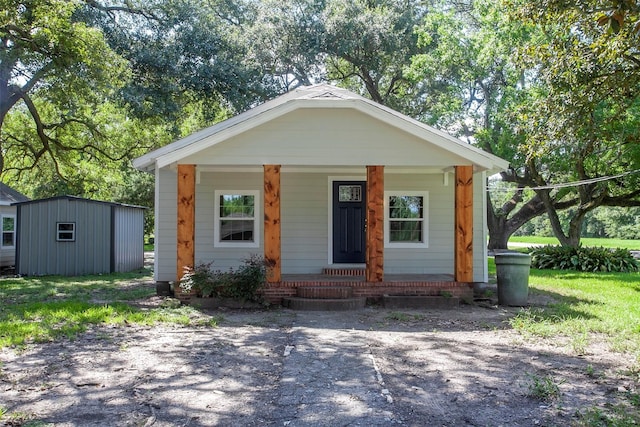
<point x="375" y="224"/>
<point x="464" y="224"/>
<point x="272" y="235"/>
<point x="186" y="219"/>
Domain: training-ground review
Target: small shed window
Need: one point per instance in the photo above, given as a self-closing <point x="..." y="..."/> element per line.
<point x="66" y="232"/>
<point x="236" y="218"/>
<point x="406" y="219"/>
<point x="8" y="231"/>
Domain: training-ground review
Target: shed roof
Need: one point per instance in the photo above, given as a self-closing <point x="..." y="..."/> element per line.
<point x="8" y="195"/>
<point x="77" y="199"/>
<point x="316" y="96"/>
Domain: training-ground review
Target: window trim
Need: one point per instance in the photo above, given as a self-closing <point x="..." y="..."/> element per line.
<point x="73" y="232"/>
<point x="2" y="217"/>
<point x="256" y="220"/>
<point x="425" y="220"/>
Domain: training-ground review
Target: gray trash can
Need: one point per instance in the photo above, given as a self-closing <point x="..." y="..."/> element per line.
<point x="512" y="271"/>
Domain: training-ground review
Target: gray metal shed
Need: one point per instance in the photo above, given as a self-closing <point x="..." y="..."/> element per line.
<point x="72" y="236"/>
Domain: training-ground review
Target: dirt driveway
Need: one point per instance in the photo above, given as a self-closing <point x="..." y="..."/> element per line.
<point x="375" y="367"/>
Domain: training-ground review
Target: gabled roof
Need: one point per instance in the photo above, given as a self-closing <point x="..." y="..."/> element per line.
<point x="76" y="199"/>
<point x="316" y="96"/>
<point x="8" y="195"/>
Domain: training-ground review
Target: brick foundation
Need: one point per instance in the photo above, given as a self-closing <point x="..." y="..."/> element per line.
<point x="373" y="291"/>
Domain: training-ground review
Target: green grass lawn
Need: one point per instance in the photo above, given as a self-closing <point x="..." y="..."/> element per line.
<point x="38" y="309"/>
<point x="587" y="305"/>
<point x="607" y="243"/>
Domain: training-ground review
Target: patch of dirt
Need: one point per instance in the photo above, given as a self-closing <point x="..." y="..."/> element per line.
<point x="374" y="367"/>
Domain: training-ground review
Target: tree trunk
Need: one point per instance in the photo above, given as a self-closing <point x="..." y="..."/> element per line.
<point x="501" y="226"/>
<point x="498" y="237"/>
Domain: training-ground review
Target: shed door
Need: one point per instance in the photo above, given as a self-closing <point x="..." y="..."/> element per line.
<point x="349" y="214"/>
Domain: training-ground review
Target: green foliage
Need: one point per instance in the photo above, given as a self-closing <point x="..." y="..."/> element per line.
<point x="632" y="245"/>
<point x="243" y="282"/>
<point x="543" y="388"/>
<point x="583" y="259"/>
<point x="611" y="416"/>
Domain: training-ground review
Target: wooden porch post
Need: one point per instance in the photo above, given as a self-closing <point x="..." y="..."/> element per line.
<point x="464" y="224"/>
<point x="272" y="240"/>
<point x="375" y="224"/>
<point x="186" y="218"/>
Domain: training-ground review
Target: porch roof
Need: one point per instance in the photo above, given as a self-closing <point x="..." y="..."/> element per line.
<point x="317" y="97"/>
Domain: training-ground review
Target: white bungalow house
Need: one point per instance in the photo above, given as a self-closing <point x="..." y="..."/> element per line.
<point x="8" y="196"/>
<point x="323" y="181"/>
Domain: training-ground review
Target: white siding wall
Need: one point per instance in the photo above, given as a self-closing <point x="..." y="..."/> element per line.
<point x="438" y="257"/>
<point x="8" y="254"/>
<point x="323" y="136"/>
<point x="223" y="258"/>
<point x="165" y="227"/>
<point x="480" y="273"/>
<point x="305" y="223"/>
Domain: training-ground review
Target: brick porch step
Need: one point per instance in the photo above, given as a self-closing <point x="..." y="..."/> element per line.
<point x="324" y="304"/>
<point x="324" y="292"/>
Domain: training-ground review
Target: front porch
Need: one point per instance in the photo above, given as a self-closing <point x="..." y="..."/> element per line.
<point x="370" y="280"/>
<point x="323" y="286"/>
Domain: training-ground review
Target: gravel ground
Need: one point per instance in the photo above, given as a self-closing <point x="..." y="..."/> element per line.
<point x="374" y="367"/>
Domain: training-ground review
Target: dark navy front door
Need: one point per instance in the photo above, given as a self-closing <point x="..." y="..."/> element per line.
<point x="349" y="213"/>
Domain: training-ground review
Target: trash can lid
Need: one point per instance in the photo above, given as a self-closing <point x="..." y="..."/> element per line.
<point x="512" y="258"/>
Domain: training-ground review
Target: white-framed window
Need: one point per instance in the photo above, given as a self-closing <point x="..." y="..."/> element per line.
<point x="8" y="231"/>
<point x="237" y="218"/>
<point x="406" y="219"/>
<point x="66" y="231"/>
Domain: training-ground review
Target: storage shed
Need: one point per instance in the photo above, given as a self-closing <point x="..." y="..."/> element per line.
<point x="72" y="236"/>
<point x="8" y="220"/>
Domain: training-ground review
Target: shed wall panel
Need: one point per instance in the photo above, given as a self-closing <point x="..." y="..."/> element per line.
<point x="42" y="254"/>
<point x="128" y="239"/>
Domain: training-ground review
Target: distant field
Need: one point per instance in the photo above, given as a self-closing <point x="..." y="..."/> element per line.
<point x="607" y="243"/>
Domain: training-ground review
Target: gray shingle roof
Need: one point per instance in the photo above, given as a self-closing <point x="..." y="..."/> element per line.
<point x="8" y="195"/>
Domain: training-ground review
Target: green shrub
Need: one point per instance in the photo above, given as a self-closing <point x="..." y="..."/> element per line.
<point x="583" y="259"/>
<point x="243" y="282"/>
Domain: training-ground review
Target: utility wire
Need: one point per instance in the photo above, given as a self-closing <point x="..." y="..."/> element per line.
<point x="567" y="184"/>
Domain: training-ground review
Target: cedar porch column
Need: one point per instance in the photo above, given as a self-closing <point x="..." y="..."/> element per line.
<point x="375" y="224"/>
<point x="272" y="240"/>
<point x="186" y="218"/>
<point x="464" y="224"/>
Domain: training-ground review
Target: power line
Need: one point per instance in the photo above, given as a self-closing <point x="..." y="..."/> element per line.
<point x="567" y="184"/>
